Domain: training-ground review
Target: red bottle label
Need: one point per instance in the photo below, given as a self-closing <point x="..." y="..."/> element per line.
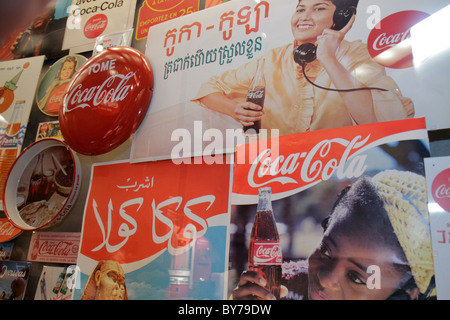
<point x="267" y="253"/>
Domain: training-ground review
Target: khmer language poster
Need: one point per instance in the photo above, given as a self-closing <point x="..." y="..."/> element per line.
<point x="159" y="230"/>
<point x="204" y="62"/>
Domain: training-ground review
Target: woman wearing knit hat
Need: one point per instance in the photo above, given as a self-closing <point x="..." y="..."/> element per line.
<point x="378" y="223"/>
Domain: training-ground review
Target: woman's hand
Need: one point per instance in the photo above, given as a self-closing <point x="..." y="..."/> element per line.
<point x="359" y="103"/>
<point x="247" y="113"/>
<point x="244" y="112"/>
<point x="252" y="287"/>
<point x="330" y="40"/>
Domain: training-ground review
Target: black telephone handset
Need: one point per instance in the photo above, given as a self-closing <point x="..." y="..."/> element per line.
<point x="306" y="52"/>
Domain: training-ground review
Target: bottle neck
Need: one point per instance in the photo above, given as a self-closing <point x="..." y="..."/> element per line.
<point x="264" y="201"/>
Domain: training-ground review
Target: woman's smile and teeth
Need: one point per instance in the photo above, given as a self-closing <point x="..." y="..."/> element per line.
<point x="304" y="26"/>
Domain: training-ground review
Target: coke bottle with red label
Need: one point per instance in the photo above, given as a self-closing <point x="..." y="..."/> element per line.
<point x="265" y="255"/>
<point x="256" y="94"/>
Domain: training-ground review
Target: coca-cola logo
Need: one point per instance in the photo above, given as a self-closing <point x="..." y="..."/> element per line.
<point x="267" y="253"/>
<point x="388" y="42"/>
<point x="440" y="189"/>
<point x="320" y="163"/>
<point x="114" y="89"/>
<point x="259" y="94"/>
<point x="106" y="100"/>
<point x="7" y="230"/>
<point x="58" y="248"/>
<point x="95" y="26"/>
<point x="293" y="163"/>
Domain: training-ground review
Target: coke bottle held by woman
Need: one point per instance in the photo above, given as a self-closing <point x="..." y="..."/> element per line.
<point x="256" y="94"/>
<point x="265" y="255"/>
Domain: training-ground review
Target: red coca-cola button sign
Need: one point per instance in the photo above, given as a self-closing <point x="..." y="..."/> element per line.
<point x="95" y="26"/>
<point x="388" y="41"/>
<point x="440" y="189"/>
<point x="106" y="100"/>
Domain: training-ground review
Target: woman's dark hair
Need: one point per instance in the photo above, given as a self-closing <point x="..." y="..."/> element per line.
<point x="345" y="4"/>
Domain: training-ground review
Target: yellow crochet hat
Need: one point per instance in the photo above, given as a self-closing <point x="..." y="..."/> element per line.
<point x="405" y="200"/>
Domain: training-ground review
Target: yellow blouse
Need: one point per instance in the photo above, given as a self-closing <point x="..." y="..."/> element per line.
<point x="293" y="105"/>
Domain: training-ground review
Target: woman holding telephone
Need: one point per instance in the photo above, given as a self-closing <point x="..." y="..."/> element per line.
<point x="332" y="83"/>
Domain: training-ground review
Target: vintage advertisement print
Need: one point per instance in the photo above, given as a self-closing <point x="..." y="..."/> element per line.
<point x="55" y="283"/>
<point x="89" y="19"/>
<point x="158" y="229"/>
<point x="55" y="81"/>
<point x="18" y="81"/>
<point x="57" y="247"/>
<point x="13" y="279"/>
<point x="438" y="185"/>
<point x="343" y="200"/>
<point x="49" y="129"/>
<point x="32" y="29"/>
<point x="204" y="63"/>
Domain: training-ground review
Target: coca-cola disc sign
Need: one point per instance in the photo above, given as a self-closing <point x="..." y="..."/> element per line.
<point x="106" y="100"/>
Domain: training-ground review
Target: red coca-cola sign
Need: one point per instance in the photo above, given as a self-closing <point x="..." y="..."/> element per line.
<point x="95" y="26"/>
<point x="267" y="253"/>
<point x="59" y="247"/>
<point x="388" y="42"/>
<point x="440" y="189"/>
<point x="106" y="100"/>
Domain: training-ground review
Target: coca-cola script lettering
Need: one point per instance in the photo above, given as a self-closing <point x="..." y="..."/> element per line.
<point x="267" y="253"/>
<point x="108" y="97"/>
<point x="393" y="33"/>
<point x="320" y="163"/>
<point x="442" y="191"/>
<point x="384" y="41"/>
<point x="259" y="94"/>
<point x="105" y="93"/>
<point x="60" y="248"/>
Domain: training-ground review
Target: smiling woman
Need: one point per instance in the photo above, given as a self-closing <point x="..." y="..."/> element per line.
<point x="367" y="231"/>
<point x="292" y="104"/>
<point x="310" y="19"/>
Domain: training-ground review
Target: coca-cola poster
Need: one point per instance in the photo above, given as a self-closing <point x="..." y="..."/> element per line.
<point x="331" y="189"/>
<point x="56" y="283"/>
<point x="18" y="82"/>
<point x="56" y="247"/>
<point x="32" y="29"/>
<point x="53" y="84"/>
<point x="438" y="182"/>
<point x="88" y="20"/>
<point x="161" y="227"/>
<point x="204" y="63"/>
